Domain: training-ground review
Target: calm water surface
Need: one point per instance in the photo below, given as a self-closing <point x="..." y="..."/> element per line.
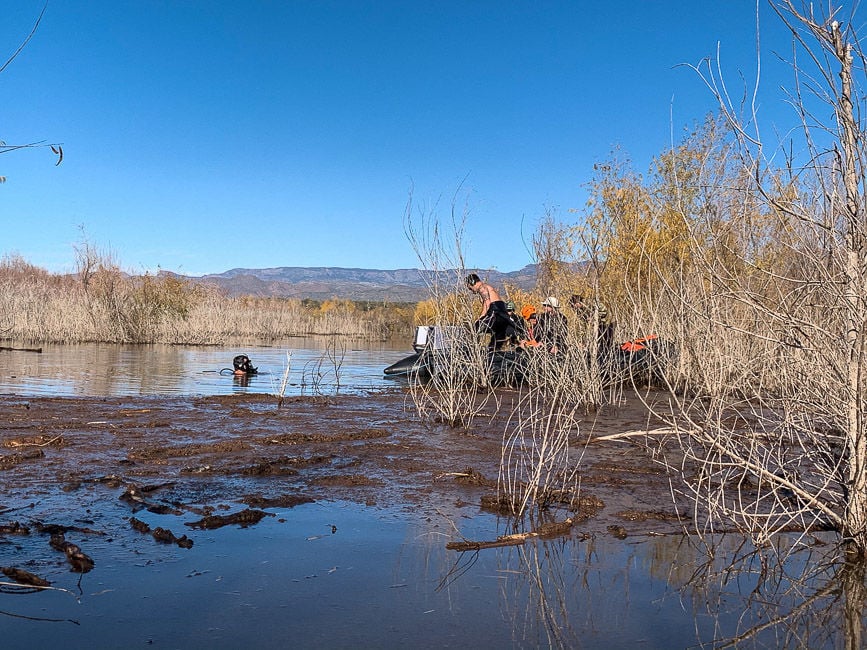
<point x="98" y="370"/>
<point x="337" y="575"/>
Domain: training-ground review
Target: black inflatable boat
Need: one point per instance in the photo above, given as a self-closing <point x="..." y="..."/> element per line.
<point x="429" y="341"/>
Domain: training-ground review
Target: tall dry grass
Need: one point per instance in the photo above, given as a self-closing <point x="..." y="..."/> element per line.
<point x="100" y="303"/>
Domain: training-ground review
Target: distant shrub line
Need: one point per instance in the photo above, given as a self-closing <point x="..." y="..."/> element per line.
<point x="101" y="303"/>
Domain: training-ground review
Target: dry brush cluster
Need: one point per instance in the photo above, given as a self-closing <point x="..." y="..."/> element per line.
<point x="755" y="274"/>
<point x="102" y="303"/>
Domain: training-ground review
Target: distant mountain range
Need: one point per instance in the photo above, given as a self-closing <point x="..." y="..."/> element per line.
<point x="323" y="283"/>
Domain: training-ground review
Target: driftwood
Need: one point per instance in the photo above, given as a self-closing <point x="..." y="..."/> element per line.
<point x="244" y="518"/>
<point x="79" y="562"/>
<point x="5" y="349"/>
<point x="546" y="530"/>
<point x="23" y="577"/>
<point x="635" y="434"/>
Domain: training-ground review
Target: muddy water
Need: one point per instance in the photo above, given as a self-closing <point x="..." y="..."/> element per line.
<point x="359" y="499"/>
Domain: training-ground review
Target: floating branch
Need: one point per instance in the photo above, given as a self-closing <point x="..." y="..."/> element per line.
<point x="548" y="530"/>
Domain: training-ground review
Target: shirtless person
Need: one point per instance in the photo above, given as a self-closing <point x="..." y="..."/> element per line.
<point x="494" y="318"/>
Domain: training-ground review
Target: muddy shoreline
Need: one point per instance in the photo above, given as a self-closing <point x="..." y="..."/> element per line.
<point x="192" y="521"/>
<point x="224" y="454"/>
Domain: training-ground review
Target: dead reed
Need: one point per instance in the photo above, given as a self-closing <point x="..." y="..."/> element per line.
<point x="101" y="303"/>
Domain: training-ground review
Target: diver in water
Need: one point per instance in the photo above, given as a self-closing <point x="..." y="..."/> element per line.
<point x="243" y="366"/>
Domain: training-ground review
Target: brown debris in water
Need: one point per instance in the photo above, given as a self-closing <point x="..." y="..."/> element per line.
<point x="588" y="506"/>
<point x="471" y="476"/>
<point x="14" y="528"/>
<point x="139" y="525"/>
<point x="275" y="467"/>
<point x="55" y="529"/>
<point x="243" y="518"/>
<point x="307" y="438"/>
<point x="35" y="441"/>
<point x="369" y="449"/>
<point x="162" y="535"/>
<point x="555" y="528"/>
<point x="134" y="496"/>
<point x="499" y="504"/>
<point x="165" y="536"/>
<point x="347" y="480"/>
<point x="637" y="515"/>
<point x="186" y="450"/>
<point x="285" y="501"/>
<point x="79" y="561"/>
<point x="24" y="577"/>
<point x="618" y="531"/>
<point x="8" y="461"/>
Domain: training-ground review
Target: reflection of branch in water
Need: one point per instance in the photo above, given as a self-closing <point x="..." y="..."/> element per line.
<point x="538" y="587"/>
<point x="537" y="580"/>
<point x="458" y="569"/>
<point x="460" y="566"/>
<point x="795" y="597"/>
<point x="40" y="618"/>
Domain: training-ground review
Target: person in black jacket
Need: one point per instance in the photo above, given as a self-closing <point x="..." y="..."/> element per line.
<point x="553" y="326"/>
<point x="517" y="328"/>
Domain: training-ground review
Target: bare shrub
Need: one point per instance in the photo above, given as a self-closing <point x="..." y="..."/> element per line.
<point x="772" y="298"/>
<point x="459" y="388"/>
<point x="536" y="467"/>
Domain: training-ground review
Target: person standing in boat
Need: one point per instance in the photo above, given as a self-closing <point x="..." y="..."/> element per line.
<point x="494" y="319"/>
<point x="516" y="330"/>
<point x="553" y="326"/>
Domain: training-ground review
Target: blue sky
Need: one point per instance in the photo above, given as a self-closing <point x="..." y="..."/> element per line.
<point x="200" y="136"/>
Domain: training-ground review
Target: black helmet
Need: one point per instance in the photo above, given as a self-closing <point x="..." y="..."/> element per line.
<point x="242" y="363"/>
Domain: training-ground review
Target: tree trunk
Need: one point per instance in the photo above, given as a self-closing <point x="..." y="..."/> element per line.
<point x="856" y="506"/>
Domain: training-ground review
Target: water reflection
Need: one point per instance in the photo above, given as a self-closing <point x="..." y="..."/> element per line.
<point x="789" y="595"/>
<point x="672" y="591"/>
<point x="101" y="370"/>
<point x="338" y="575"/>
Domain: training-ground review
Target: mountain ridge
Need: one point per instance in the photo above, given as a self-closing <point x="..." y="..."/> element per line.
<point x="347" y="283"/>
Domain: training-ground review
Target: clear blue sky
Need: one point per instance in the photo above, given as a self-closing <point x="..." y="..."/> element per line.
<point x="201" y="136"/>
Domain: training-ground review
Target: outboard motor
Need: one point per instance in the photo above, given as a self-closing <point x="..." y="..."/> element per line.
<point x="243" y="365"/>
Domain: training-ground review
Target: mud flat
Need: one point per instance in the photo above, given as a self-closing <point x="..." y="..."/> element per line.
<point x="159" y="500"/>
